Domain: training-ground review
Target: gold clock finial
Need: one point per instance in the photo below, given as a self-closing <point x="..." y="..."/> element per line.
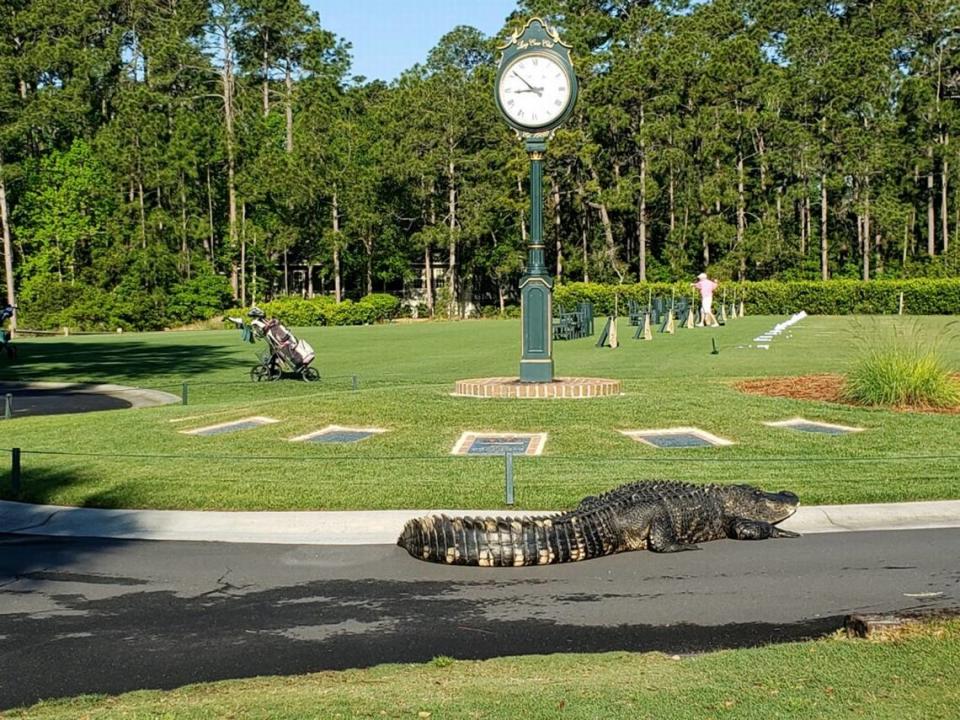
<point x="551" y="31"/>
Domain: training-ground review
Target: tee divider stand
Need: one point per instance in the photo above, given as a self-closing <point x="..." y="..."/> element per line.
<point x="644" y="331"/>
<point x="608" y="336"/>
<point x="604" y="338"/>
<point x="670" y="326"/>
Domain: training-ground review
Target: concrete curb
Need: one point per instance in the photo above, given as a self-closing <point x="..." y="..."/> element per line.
<point x="383" y="526"/>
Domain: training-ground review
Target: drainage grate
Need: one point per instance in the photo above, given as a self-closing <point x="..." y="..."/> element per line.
<point x="229" y="427"/>
<point x="814" y="426"/>
<point x="476" y="443"/>
<point x="499" y="446"/>
<point x="338" y="434"/>
<point x="682" y="437"/>
<point x="678" y="440"/>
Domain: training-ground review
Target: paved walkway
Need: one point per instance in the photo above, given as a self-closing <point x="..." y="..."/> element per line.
<point x="56" y="398"/>
<point x="383" y="526"/>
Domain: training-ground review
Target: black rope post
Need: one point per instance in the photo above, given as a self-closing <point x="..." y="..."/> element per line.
<point x="184" y="394"/>
<point x="356" y="382"/>
<point x="508" y="477"/>
<point x="8" y="406"/>
<point x="15" y="471"/>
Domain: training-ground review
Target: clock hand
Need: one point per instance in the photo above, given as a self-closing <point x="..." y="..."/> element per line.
<point x="538" y="91"/>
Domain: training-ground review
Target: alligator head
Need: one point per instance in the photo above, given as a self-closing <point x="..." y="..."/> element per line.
<point x="750" y="503"/>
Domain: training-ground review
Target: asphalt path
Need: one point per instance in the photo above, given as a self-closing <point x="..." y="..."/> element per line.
<point x="107" y="616"/>
<point x="37" y="401"/>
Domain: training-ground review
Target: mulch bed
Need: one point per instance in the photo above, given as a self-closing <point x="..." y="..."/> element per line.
<point x="823" y="388"/>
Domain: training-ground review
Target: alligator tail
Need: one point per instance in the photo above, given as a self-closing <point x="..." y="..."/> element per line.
<point x="509" y="542"/>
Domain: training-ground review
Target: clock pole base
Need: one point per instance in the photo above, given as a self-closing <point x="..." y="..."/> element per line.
<point x="561" y="388"/>
<point x="536" y="371"/>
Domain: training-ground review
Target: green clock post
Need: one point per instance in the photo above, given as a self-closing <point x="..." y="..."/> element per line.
<point x="535" y="90"/>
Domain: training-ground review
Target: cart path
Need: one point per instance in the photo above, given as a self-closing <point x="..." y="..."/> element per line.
<point x="107" y="616"/>
<point x="39" y="398"/>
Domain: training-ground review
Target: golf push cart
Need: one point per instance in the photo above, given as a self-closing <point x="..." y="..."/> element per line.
<point x="284" y="355"/>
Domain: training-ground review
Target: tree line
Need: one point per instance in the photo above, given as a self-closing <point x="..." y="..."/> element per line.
<point x="162" y="158"/>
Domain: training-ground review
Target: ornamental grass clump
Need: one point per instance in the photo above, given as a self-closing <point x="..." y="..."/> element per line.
<point x="906" y="370"/>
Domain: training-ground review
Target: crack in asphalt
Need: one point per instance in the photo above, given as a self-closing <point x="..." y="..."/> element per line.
<point x="224" y="587"/>
<point x="35" y="525"/>
<point x="833" y="523"/>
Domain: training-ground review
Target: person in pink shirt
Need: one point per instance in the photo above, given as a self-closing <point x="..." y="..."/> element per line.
<point x="706" y="286"/>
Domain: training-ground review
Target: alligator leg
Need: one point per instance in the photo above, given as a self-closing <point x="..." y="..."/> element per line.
<point x="663" y="539"/>
<point x="741" y="529"/>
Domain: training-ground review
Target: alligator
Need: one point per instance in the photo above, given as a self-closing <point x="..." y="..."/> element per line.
<point x="659" y="516"/>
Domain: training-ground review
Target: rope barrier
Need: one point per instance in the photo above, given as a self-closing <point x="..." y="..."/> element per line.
<point x="178" y="383"/>
<point x="376" y="383"/>
<point x="448" y="457"/>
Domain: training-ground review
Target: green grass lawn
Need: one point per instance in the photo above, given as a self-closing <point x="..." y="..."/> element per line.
<point x="137" y="458"/>
<point x="912" y="677"/>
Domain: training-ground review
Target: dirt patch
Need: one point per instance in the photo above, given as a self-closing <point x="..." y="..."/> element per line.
<point x="823" y="388"/>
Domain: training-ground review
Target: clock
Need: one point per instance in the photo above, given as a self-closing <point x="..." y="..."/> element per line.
<point x="534" y="90"/>
<point x="535" y="86"/>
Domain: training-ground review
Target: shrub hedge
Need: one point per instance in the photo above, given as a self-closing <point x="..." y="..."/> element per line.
<point x="45" y="304"/>
<point x="324" y="310"/>
<point x="921" y="296"/>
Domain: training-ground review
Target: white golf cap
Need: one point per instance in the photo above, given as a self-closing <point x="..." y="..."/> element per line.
<point x="702" y="276"/>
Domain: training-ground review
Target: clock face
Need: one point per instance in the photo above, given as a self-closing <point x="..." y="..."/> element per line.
<point x="534" y="90"/>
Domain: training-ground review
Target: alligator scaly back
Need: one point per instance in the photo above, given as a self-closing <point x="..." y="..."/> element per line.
<point x="650" y="490"/>
<point x="511" y="542"/>
<point x="661" y="516"/>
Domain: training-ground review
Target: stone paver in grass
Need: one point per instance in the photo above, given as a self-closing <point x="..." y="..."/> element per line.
<point x="814" y="426"/>
<point x="338" y="434"/>
<point x="499" y="443"/>
<point x="678" y="437"/>
<point x="232" y="426"/>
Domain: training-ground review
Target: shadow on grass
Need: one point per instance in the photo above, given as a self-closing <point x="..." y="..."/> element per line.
<point x="42" y="485"/>
<point x="119" y="360"/>
<point x="33" y="511"/>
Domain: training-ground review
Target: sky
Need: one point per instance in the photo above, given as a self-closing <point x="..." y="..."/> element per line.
<point x="389" y="36"/>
